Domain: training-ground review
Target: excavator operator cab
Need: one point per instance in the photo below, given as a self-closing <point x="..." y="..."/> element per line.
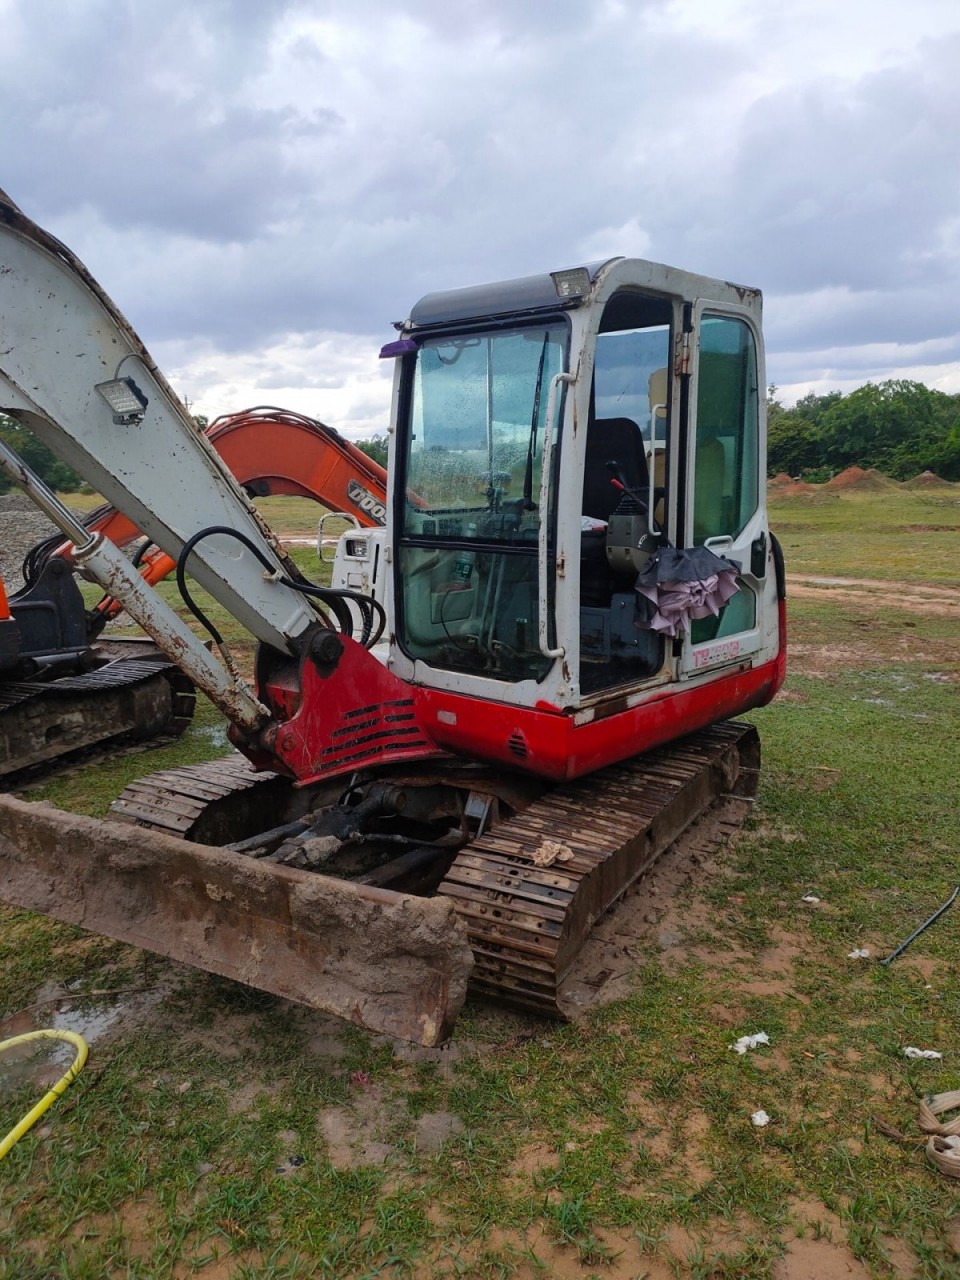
<point x="552" y="435"/>
<point x="623" y="489"/>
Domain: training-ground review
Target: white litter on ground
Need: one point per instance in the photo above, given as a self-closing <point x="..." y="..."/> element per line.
<point x="861" y="953"/>
<point x="811" y="898"/>
<point x="760" y="1118"/>
<point x="911" y="1052"/>
<point x="750" y="1042"/>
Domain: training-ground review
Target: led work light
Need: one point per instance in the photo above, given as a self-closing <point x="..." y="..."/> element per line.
<point x="125" y="399"/>
<point x="574" y="283"/>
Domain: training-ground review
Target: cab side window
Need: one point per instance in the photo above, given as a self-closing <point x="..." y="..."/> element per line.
<point x="726" y="490"/>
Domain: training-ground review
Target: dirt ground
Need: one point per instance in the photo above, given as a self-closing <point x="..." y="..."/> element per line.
<point x="866" y="642"/>
<point x="358" y="1134"/>
<point x="914" y="597"/>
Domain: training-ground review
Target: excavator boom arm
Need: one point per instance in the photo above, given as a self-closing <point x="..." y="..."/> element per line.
<point x="64" y="347"/>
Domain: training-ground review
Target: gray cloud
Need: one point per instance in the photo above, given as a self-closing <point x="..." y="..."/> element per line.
<point x="236" y="172"/>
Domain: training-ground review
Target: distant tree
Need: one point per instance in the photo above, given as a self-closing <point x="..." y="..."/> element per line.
<point x="896" y="426"/>
<point x="201" y="420"/>
<point x="814" y="407"/>
<point x="38" y="458"/>
<point x="795" y="442"/>
<point x="375" y="448"/>
<point x="944" y="457"/>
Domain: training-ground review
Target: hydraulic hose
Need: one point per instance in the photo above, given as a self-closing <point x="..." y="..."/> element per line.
<point x="372" y="613"/>
<point x="47" y="1101"/>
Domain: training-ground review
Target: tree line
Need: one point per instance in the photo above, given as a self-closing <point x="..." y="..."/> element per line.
<point x="897" y="427"/>
<point x="38" y="458"/>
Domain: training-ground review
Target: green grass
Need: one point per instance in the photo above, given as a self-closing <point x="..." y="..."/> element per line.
<point x="603" y="1148"/>
<point x="897" y="535"/>
<point x="293" y="515"/>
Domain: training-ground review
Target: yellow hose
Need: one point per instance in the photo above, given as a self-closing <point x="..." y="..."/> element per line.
<point x="47" y="1101"/>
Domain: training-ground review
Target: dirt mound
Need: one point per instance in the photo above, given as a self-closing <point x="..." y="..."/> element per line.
<point x="879" y="481"/>
<point x="856" y="478"/>
<point x="800" y="491"/>
<point x="928" y="480"/>
<point x="780" y="481"/>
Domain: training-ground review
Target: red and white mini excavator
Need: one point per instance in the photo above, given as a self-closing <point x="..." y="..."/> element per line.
<point x="451" y="778"/>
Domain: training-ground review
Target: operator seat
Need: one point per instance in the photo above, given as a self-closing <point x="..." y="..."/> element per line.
<point x="611" y="440"/>
<point x="617" y="440"/>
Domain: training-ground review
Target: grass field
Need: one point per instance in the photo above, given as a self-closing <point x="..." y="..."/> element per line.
<point x="220" y="1132"/>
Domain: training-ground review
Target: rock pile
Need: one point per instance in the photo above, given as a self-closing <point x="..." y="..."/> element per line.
<point x="22" y="525"/>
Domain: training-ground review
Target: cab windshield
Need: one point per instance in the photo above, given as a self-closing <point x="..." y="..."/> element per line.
<point x="476" y="415"/>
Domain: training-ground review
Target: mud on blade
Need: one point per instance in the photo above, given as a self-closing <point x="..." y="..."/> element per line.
<point x="390" y="962"/>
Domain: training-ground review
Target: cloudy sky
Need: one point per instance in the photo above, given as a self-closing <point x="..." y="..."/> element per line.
<point x="265" y="185"/>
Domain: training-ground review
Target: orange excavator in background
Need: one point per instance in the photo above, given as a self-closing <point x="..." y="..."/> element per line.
<point x="63" y="687"/>
<point x="272" y="452"/>
<point x="448" y="779"/>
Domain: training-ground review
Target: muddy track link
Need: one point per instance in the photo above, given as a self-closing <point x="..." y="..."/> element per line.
<point x="526" y="923"/>
<point x="209" y="803"/>
<point x="132" y="699"/>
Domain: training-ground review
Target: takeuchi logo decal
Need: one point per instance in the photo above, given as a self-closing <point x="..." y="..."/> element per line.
<point x="366" y="502"/>
<point x="726" y="651"/>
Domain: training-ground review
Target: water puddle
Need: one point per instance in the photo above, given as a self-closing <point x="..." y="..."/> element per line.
<point x="42" y="1062"/>
<point x="89" y="1023"/>
<point x="216" y="734"/>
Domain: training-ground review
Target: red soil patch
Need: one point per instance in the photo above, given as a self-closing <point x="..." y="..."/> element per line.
<point x="801" y="491"/>
<point x="928" y="480"/>
<point x="857" y="478"/>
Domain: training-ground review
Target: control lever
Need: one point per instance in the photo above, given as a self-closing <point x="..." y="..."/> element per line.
<point x="619" y="481"/>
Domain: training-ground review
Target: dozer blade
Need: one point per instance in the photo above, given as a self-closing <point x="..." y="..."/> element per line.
<point x="387" y="961"/>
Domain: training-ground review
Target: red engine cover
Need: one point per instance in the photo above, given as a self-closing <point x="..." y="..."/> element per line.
<point x="357" y="714"/>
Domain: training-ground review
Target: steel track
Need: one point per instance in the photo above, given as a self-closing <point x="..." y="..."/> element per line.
<point x="527" y="923"/>
<point x="41" y="723"/>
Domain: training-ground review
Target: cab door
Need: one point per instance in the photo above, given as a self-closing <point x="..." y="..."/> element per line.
<point x="725" y="457"/>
